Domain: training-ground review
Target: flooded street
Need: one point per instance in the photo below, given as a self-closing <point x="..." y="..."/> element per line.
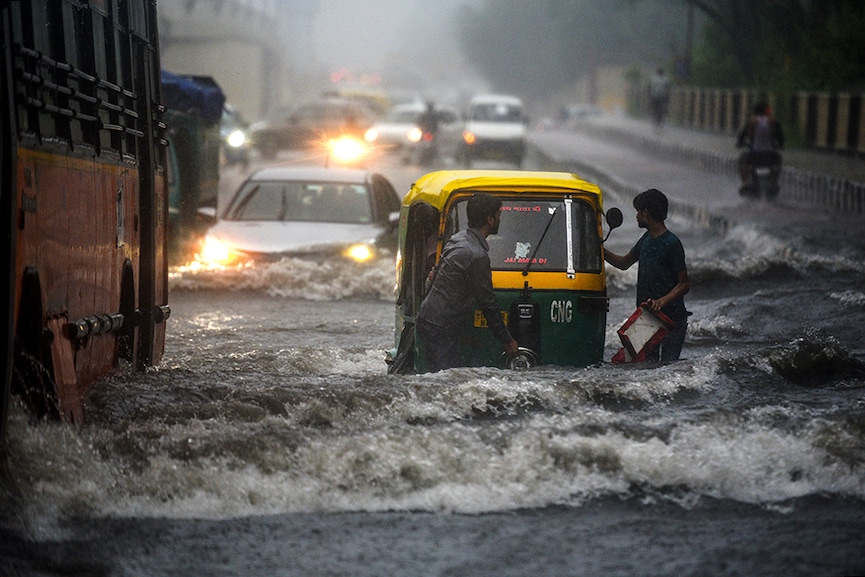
<point x="272" y="441"/>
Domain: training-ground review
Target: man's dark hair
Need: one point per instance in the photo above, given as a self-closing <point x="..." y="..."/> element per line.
<point x="654" y="201"/>
<point x="480" y="206"/>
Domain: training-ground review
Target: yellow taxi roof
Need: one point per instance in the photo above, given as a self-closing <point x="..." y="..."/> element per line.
<point x="436" y="187"/>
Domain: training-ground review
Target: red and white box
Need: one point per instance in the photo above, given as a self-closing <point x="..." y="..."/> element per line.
<point x="641" y="334"/>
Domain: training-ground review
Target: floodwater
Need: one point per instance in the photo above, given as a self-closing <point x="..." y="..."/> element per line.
<point x="271" y="441"/>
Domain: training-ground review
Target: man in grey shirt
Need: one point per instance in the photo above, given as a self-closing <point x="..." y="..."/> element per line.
<point x="461" y="283"/>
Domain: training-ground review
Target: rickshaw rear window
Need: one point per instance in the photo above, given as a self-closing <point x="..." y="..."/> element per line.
<point x="521" y="235"/>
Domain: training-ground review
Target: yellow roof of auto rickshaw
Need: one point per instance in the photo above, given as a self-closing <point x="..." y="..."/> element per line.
<point x="436" y="187"/>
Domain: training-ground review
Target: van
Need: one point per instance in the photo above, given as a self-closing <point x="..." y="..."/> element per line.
<point x="495" y="129"/>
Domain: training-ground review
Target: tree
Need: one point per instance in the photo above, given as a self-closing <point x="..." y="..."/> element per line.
<point x="802" y="44"/>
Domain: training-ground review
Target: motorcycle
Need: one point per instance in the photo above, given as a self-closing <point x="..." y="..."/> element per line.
<point x="764" y="173"/>
<point x="761" y="176"/>
<point x="426" y="149"/>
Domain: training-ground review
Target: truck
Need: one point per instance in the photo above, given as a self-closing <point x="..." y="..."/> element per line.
<point x="194" y="107"/>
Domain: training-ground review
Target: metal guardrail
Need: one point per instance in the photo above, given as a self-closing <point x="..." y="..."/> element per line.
<point x="829" y="121"/>
<point x="829" y="192"/>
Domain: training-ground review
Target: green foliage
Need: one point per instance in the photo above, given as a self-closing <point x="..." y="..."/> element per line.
<point x="782" y="44"/>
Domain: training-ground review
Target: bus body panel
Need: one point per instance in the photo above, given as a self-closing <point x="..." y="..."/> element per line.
<point x="82" y="161"/>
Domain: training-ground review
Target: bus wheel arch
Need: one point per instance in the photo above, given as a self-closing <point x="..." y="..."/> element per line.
<point x="126" y="342"/>
<point x="33" y="371"/>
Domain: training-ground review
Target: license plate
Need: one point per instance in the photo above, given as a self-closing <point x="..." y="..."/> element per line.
<point x="481" y="320"/>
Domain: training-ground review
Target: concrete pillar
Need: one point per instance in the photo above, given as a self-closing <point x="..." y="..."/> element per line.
<point x="820" y="137"/>
<point x="842" y="122"/>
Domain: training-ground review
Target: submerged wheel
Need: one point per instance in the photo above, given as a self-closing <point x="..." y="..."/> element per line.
<point x="32" y="370"/>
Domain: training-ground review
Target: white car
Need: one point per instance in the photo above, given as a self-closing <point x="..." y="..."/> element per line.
<point x="398" y="130"/>
<point x="305" y="211"/>
<point x="495" y="129"/>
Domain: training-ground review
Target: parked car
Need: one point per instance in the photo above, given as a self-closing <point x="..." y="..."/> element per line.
<point x="398" y="130"/>
<point x="305" y="211"/>
<point x="572" y="115"/>
<point x="495" y="129"/>
<point x="312" y="124"/>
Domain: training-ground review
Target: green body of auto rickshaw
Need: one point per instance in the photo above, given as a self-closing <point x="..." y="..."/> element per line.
<point x="547" y="265"/>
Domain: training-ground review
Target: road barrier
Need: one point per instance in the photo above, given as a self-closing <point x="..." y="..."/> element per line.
<point x="828" y="192"/>
<point x="830" y="121"/>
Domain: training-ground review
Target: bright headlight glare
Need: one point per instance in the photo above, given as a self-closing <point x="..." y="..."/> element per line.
<point x="414" y="135"/>
<point x="371" y="135"/>
<point x="214" y="251"/>
<point x="359" y="252"/>
<point x="347" y="149"/>
<point x="236" y="139"/>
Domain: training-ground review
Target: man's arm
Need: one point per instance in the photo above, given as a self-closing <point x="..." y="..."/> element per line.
<point x="622" y="262"/>
<point x="681" y="289"/>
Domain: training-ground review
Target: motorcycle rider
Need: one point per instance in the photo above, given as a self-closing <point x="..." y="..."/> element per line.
<point x="659" y="92"/>
<point x="762" y="137"/>
<point x="428" y="122"/>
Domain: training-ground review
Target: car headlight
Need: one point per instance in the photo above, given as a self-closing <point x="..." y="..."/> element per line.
<point x="414" y="135"/>
<point x="359" y="252"/>
<point x="347" y="150"/>
<point x="371" y="135"/>
<point x="236" y="139"/>
<point x="214" y="252"/>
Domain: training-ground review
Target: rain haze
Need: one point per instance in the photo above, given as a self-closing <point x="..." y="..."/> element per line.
<point x="368" y="36"/>
<point x="291" y="428"/>
<point x="392" y="44"/>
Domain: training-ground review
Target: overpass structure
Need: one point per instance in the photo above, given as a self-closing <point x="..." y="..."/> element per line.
<point x="259" y="51"/>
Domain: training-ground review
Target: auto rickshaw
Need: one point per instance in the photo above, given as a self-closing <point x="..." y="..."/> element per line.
<point x="547" y="265"/>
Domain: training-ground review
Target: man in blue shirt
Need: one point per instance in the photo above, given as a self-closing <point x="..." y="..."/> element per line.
<point x="662" y="279"/>
<point x="461" y="283"/>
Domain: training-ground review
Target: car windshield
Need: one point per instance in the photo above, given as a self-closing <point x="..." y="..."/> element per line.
<point x="496" y="112"/>
<point x="402" y="116"/>
<point x="302" y="202"/>
<point x="326" y="111"/>
<point x="519" y="239"/>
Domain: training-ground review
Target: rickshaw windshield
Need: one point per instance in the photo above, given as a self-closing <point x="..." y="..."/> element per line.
<point x="521" y="235"/>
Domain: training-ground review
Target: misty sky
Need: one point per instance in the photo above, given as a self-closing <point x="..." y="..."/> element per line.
<point x="366" y="35"/>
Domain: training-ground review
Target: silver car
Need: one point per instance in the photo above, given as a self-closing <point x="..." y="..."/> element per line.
<point x="398" y="131"/>
<point x="305" y="211"/>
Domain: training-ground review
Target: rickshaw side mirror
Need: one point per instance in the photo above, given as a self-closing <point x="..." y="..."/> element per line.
<point x="614" y="218"/>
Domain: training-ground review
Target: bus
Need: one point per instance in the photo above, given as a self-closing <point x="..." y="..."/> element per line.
<point x="84" y="212"/>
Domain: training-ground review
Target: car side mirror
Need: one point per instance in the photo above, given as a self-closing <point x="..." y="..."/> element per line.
<point x="206" y="215"/>
<point x="393" y="220"/>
